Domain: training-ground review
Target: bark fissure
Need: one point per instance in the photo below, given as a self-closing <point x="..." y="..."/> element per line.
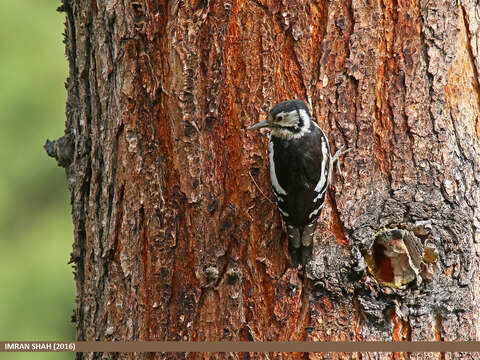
<point x="469" y="46"/>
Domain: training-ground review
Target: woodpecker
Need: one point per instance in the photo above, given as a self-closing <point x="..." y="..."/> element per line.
<point x="300" y="165"/>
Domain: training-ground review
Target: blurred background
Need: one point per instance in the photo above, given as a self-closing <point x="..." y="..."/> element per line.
<point x="37" y="290"/>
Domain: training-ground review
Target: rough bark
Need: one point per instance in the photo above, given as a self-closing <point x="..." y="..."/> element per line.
<point x="176" y="234"/>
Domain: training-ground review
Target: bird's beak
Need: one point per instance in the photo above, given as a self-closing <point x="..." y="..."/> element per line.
<point x="260" y="125"/>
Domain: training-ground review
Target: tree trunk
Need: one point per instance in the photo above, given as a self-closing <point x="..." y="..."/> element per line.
<point x="176" y="233"/>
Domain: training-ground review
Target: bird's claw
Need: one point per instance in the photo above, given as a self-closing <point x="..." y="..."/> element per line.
<point x="337" y="155"/>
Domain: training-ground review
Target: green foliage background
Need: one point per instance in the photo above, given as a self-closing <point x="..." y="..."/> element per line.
<point x="36" y="231"/>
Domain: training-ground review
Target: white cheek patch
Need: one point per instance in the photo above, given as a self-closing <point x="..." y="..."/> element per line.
<point x="305" y="118"/>
<point x="287" y="119"/>
<point x="290" y="120"/>
<point x="306" y="124"/>
<point x="273" y="175"/>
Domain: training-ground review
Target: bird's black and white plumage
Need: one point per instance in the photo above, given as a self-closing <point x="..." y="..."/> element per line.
<point x="300" y="171"/>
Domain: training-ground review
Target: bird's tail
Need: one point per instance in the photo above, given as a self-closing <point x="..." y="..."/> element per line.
<point x="300" y="244"/>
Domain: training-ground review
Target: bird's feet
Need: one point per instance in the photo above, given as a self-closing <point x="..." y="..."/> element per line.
<point x="336" y="157"/>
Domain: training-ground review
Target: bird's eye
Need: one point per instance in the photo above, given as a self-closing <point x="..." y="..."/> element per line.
<point x="279" y="117"/>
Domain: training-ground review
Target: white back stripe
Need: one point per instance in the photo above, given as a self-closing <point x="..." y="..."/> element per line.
<point x="283" y="212"/>
<point x="273" y="175"/>
<point x="323" y="177"/>
<point x="319" y="196"/>
<point x="316" y="211"/>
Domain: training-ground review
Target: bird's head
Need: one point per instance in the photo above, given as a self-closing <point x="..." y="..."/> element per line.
<point x="288" y="119"/>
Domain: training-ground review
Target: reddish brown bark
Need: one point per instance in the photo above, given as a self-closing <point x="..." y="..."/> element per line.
<point x="176" y="234"/>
